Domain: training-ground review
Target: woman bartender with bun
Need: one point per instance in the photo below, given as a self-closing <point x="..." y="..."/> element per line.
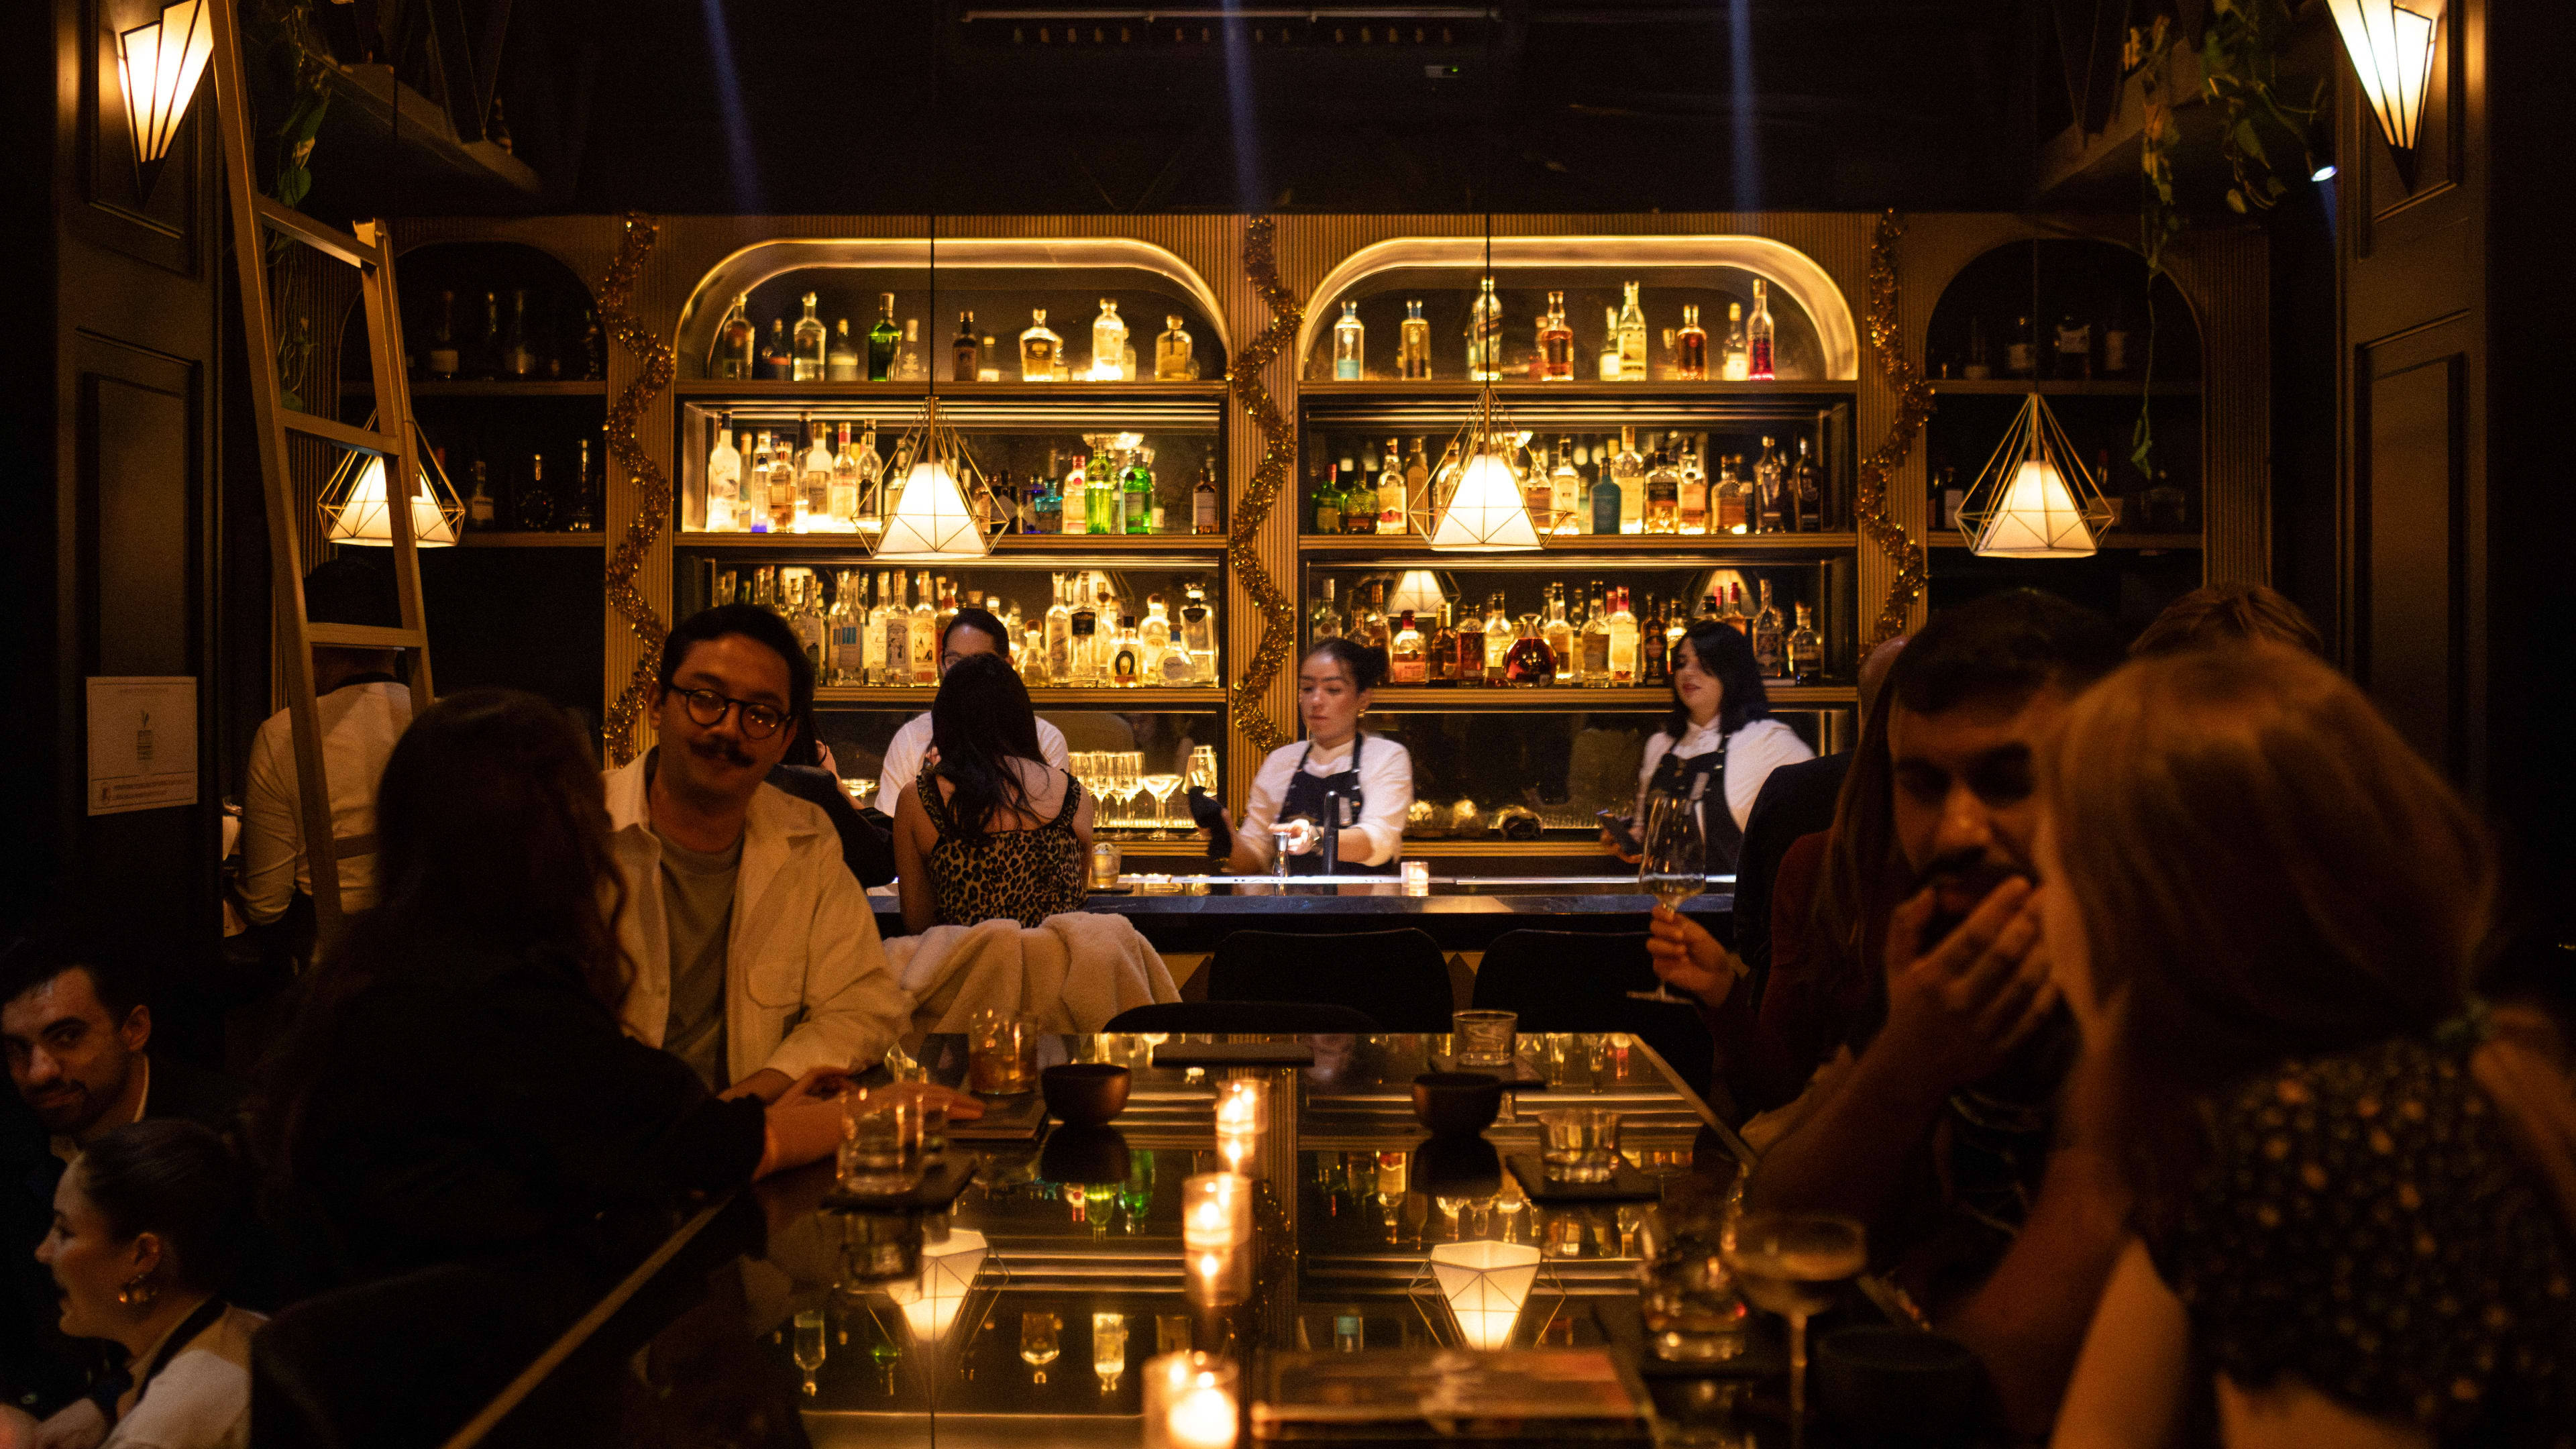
<point x="1337" y="768"/>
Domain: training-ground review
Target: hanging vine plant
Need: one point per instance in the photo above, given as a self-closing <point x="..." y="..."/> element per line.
<point x="281" y="34"/>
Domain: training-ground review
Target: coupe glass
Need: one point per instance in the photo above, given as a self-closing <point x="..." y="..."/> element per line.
<point x="1673" y="867"/>
<point x="1792" y="1264"/>
<point x="1162" y="788"/>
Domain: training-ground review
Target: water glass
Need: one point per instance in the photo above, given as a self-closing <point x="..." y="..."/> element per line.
<point x="881" y="1141"/>
<point x="1579" y="1144"/>
<point x="1484" y="1039"/>
<point x="1692" y="1309"/>
<point x="1002" y="1052"/>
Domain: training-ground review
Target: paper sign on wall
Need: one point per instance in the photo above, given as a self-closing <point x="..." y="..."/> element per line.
<point x="142" y="743"/>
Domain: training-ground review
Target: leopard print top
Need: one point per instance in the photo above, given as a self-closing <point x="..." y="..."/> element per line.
<point x="1022" y="875"/>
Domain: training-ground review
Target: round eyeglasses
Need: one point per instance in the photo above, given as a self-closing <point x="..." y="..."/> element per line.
<point x="707" y="707"/>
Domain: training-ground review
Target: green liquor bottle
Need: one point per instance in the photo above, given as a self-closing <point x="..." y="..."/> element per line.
<point x="1137" y="486"/>
<point x="883" y="339"/>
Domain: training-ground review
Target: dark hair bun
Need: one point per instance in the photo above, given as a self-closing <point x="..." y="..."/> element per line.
<point x="1365" y="664"/>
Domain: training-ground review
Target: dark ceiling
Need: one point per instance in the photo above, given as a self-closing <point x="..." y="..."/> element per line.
<point x="835" y="106"/>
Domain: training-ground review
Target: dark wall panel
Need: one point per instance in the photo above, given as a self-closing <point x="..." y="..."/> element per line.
<point x="140" y="482"/>
<point x="2412" y="493"/>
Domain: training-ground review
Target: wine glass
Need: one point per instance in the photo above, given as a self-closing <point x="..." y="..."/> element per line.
<point x="1162" y="787"/>
<point x="1790" y="1264"/>
<point x="1129" y="764"/>
<point x="1673" y="867"/>
<point x="1203" y="767"/>
<point x="1039" y="1341"/>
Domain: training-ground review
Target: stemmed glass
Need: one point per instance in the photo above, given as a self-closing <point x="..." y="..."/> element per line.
<point x="1125" y="766"/>
<point x="1162" y="787"/>
<point x="1791" y="1264"/>
<point x="1039" y="1342"/>
<point x="1203" y="767"/>
<point x="1673" y="866"/>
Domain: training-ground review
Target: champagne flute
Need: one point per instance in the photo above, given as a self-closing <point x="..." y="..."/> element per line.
<point x="1162" y="787"/>
<point x="809" y="1345"/>
<point x="1673" y="866"/>
<point x="1131" y="765"/>
<point x="1791" y="1264"/>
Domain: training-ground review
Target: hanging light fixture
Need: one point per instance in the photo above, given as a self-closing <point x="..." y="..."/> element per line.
<point x="354" y="509"/>
<point x="158" y="65"/>
<point x="2033" y="499"/>
<point x="2391" y="45"/>
<point x="1485" y="1285"/>
<point x="948" y="1272"/>
<point x="1486" y="511"/>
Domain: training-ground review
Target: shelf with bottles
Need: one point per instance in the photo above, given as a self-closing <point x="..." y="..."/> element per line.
<point x="2062" y="311"/>
<point x="494" y="315"/>
<point x="536" y="471"/>
<point x="2158" y="502"/>
<point x="1412" y="699"/>
<point x="2137" y="542"/>
<point x="1088" y="396"/>
<point x="1010" y="550"/>
<point x="1561" y="551"/>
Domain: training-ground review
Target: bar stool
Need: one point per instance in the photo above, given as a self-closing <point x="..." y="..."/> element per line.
<point x="1575" y="981"/>
<point x="1399" y="977"/>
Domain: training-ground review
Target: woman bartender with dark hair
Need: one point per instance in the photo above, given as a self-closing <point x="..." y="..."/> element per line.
<point x="1720" y="742"/>
<point x="1337" y="770"/>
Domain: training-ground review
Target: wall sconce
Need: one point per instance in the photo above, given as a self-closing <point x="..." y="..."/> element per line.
<point x="2391" y="46"/>
<point x="158" y="66"/>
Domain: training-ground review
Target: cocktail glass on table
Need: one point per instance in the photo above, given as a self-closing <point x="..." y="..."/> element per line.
<point x="1793" y="1264"/>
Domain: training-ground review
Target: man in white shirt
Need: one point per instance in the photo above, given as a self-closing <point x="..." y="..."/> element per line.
<point x="971" y="632"/>
<point x="362" y="711"/>
<point x="756" y="955"/>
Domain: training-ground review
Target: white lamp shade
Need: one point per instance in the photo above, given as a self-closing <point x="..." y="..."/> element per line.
<point x="362" y="518"/>
<point x="1418" y="591"/>
<point x="2038" y="517"/>
<point x="1485" y="1285"/>
<point x="159" y="65"/>
<point x="2391" y="46"/>
<point x="1487" y="512"/>
<point x="948" y="1272"/>
<point x="931" y="520"/>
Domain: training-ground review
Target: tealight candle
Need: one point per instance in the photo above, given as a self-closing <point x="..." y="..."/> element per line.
<point x="1216" y="1211"/>
<point x="1243" y="1105"/>
<point x="1191" y="1402"/>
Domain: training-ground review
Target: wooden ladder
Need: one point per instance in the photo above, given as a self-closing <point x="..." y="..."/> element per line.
<point x="369" y="250"/>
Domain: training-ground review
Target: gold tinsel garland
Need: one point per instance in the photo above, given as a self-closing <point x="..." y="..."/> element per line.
<point x="652" y="485"/>
<point x="1278" y="456"/>
<point x="1913" y="405"/>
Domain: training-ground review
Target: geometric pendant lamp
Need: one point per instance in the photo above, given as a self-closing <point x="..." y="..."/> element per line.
<point x="2034" y="499"/>
<point x="2391" y="44"/>
<point x="1486" y="512"/>
<point x="932" y="520"/>
<point x="355" y="511"/>
<point x="948" y="1273"/>
<point x="1485" y="1285"/>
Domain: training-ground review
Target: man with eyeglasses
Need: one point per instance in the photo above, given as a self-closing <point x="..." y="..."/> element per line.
<point x="972" y="632"/>
<point x="756" y="956"/>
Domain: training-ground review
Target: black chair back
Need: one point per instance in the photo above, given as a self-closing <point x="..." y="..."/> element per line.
<point x="1573" y="981"/>
<point x="1293" y="1018"/>
<point x="1398" y="978"/>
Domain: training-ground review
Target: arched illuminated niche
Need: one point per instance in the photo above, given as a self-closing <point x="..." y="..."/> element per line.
<point x="1818" y="340"/>
<point x="1071" y="272"/>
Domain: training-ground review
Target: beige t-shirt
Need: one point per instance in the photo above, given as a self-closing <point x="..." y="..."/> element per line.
<point x="201" y="1398"/>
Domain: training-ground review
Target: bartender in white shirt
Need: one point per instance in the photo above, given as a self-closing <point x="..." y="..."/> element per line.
<point x="971" y="632"/>
<point x="1338" y="769"/>
<point x="1720" y="742"/>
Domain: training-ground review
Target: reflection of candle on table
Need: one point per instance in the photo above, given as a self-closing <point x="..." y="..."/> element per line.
<point x="1190" y="1402"/>
<point x="1202" y="1418"/>
<point x="1235" y="1147"/>
<point x="1243" y="1105"/>
<point x="1216" y="1211"/>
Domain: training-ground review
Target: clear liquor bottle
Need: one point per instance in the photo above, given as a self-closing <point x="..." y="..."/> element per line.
<point x="1175" y="357"/>
<point x="1057" y="666"/>
<point x="882" y="340"/>
<point x="814" y="480"/>
<point x="910" y="363"/>
<point x="1804" y="650"/>
<point x="1324" y="621"/>
<point x="1632" y="336"/>
<point x="1417" y="484"/>
<point x="988" y="366"/>
<point x="1690" y="347"/>
<point x="1628" y="470"/>
<point x="1758" y="333"/>
<point x="1565" y="490"/>
<point x="1413" y="345"/>
<point x="444" y="360"/>
<point x="786" y="488"/>
<point x="1609" y="368"/>
<point x="1077" y="495"/>
<point x="1390" y="491"/>
<point x="1198" y="633"/>
<point x="921" y="641"/>
<point x="1485" y="335"/>
<point x="1767" y="634"/>
<point x="842" y="507"/>
<point x="1538" y="495"/>
<point x="732" y="358"/>
<point x="1038" y="349"/>
<point x="1500" y="635"/>
<point x="841" y="362"/>
<point x="1136" y="484"/>
<point x="869" y="516"/>
<point x="518" y="358"/>
<point x="896" y="667"/>
<point x="872" y="643"/>
<point x="1596" y="641"/>
<point x="1694" y="491"/>
<point x="1089" y="664"/>
<point x="1623" y="640"/>
<point x="1405" y="661"/>
<point x="724" y="478"/>
<point x="1350" y="342"/>
<point x="1108" y="343"/>
<point x="965" y="354"/>
<point x="848" y="654"/>
<point x="1735" y="363"/>
<point x="808" y="361"/>
<point x="1556" y="342"/>
<point x="1663" y="494"/>
<point x="1203" y="501"/>
<point x="1558" y="631"/>
<point x="1767" y="489"/>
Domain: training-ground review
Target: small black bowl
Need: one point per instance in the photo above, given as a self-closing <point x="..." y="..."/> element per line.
<point x="1458" y="1166"/>
<point x="1086" y="1094"/>
<point x="1084" y="1155"/>
<point x="1456" y="1104"/>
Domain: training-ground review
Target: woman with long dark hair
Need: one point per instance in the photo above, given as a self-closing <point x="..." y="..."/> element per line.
<point x="989" y="830"/>
<point x="2353" y="1179"/>
<point x="1719" y="743"/>
<point x="1361" y="784"/>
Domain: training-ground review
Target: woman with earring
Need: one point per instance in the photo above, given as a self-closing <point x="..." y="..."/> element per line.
<point x="1338" y="770"/>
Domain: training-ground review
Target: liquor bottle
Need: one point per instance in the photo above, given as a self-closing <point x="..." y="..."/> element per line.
<point x="1528" y="663"/>
<point x="517" y="360"/>
<point x="965" y="354"/>
<point x="1609" y="369"/>
<point x="808" y="360"/>
<point x="1126" y="655"/>
<point x="724" y="478"/>
<point x="1538" y="355"/>
<point x="841" y="504"/>
<point x="871" y="622"/>
<point x="988" y="362"/>
<point x="1203" y="501"/>
<point x="841" y="359"/>
<point x="1663" y="494"/>
<point x="814" y="481"/>
<point x="1368" y="621"/>
<point x="869" y="516"/>
<point x="1690" y="347"/>
<point x="1038" y="349"/>
<point x="1108" y="342"/>
<point x="480" y="514"/>
<point x="1359" y="500"/>
<point x="1417" y="484"/>
<point x="1807" y="493"/>
<point x="921" y="641"/>
<point x="897" y="665"/>
<point x="1046" y="500"/>
<point x="847" y="657"/>
<point x="1469" y="666"/>
<point x="1653" y="649"/>
<point x="1623" y="640"/>
<point x="1440" y="649"/>
<point x="785" y="492"/>
<point x="1556" y="342"/>
<point x="911" y="363"/>
<point x="1390" y="491"/>
<point x="1413" y="345"/>
<point x="443" y="359"/>
<point x="1175" y="359"/>
<point x="1767" y="634"/>
<point x="1767" y="510"/>
<point x="1485" y="335"/>
<point x="1632" y="336"/>
<point x="2115" y="340"/>
<point x="882" y="340"/>
<point x="1328" y="500"/>
<point x="1057" y="666"/>
<point x="2020" y="351"/>
<point x="1103" y="506"/>
<point x="1538" y="495"/>
<point x="1668" y="357"/>
<point x="2074" y="349"/>
<point x="1565" y="490"/>
<point x="1198" y="634"/>
<point x="1405" y="663"/>
<point x="1743" y="617"/>
<point x="1137" y="484"/>
<point x="1605" y="503"/>
<point x="735" y="341"/>
<point x="776" y="364"/>
<point x="1805" y="650"/>
<point x="1076" y="500"/>
<point x="1596" y="641"/>
<point x="1758" y="335"/>
<point x="1349" y="345"/>
<point x="536" y="500"/>
<point x="1694" y="492"/>
<point x="1558" y="631"/>
<point x="1325" y="620"/>
<point x="483" y="358"/>
<point x="1735" y="361"/>
<point x="1628" y="470"/>
<point x="1949" y="496"/>
<point x="584" y="488"/>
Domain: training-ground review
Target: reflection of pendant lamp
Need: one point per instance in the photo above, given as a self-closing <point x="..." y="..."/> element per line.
<point x="2391" y="45"/>
<point x="158" y="65"/>
<point x="1418" y="591"/>
<point x="1485" y="1285"/>
<point x="2033" y="500"/>
<point x="932" y="520"/>
<point x="948" y="1272"/>
<point x="1485" y="512"/>
<point x="353" y="502"/>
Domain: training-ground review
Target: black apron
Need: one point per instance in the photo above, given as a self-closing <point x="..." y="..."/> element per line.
<point x="1306" y="801"/>
<point x="1701" y="779"/>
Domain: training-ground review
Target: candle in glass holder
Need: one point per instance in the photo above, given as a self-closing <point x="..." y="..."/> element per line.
<point x="1236" y="1148"/>
<point x="1243" y="1105"/>
<point x="1190" y="1402"/>
<point x="1216" y="1211"/>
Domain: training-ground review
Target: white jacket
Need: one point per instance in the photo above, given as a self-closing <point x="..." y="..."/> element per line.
<point x="806" y="982"/>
